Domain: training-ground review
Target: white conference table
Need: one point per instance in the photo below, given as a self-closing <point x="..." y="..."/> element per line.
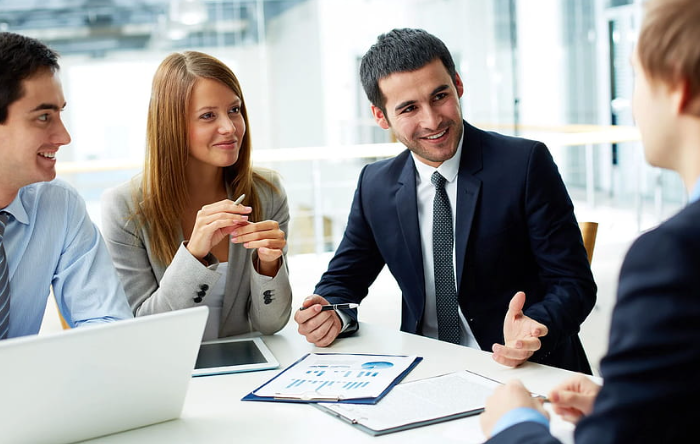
<point x="213" y="412"/>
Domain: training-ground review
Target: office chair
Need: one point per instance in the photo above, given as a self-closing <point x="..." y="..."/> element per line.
<point x="64" y="324"/>
<point x="589" y="230"/>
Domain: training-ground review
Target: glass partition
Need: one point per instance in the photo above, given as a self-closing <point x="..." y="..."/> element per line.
<point x="556" y="70"/>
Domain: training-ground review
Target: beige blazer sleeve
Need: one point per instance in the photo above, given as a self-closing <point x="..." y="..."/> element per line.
<point x="251" y="302"/>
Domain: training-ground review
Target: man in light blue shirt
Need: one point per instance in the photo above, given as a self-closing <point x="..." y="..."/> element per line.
<point x="650" y="390"/>
<point x="47" y="238"/>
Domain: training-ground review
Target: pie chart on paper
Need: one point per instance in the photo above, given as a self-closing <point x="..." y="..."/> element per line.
<point x="377" y="365"/>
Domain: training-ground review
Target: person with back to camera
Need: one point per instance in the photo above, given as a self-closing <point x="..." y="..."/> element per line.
<point x="178" y="235"/>
<point x="477" y="228"/>
<point x="650" y="386"/>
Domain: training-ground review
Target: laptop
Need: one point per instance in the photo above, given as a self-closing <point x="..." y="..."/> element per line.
<point x="97" y="380"/>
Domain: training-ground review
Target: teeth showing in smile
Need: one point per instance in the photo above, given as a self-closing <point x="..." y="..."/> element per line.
<point x="437" y="136"/>
<point x="48" y="155"/>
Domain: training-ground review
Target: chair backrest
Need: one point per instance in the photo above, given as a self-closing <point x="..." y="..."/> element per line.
<point x="64" y="324"/>
<point x="589" y="230"/>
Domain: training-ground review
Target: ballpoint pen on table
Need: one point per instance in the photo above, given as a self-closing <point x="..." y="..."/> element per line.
<point x="335" y="307"/>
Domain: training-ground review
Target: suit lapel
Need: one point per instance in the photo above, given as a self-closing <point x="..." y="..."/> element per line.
<point x="233" y="258"/>
<point x="468" y="188"/>
<point x="407" y="212"/>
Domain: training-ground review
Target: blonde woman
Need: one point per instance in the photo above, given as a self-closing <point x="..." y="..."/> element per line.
<point x="177" y="237"/>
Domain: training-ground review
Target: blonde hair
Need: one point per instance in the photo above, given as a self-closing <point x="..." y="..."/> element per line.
<point x="165" y="188"/>
<point x="669" y="42"/>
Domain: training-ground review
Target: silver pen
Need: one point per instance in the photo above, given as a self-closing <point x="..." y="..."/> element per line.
<point x="335" y="307"/>
<point x="239" y="200"/>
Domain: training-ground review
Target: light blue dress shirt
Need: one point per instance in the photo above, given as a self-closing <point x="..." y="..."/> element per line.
<point x="695" y="193"/>
<point x="50" y="240"/>
<point x="516" y="416"/>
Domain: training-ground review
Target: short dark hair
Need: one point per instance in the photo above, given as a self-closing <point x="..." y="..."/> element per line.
<point x="400" y="50"/>
<point x="20" y="58"/>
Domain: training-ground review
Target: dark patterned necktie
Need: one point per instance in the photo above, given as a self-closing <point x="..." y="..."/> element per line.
<point x="445" y="288"/>
<point x="4" y="281"/>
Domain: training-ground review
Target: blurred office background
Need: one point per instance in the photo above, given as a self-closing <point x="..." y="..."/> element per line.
<point x="554" y="70"/>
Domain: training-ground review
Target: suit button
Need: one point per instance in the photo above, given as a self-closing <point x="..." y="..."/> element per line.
<point x="201" y="293"/>
<point x="204" y="287"/>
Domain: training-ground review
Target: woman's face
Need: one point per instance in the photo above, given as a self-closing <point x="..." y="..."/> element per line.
<point x="215" y="123"/>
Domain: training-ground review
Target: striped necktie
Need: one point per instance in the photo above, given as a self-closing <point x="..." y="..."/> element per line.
<point x="4" y="281"/>
<point x="443" y="243"/>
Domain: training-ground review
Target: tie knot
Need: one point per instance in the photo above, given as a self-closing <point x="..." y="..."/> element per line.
<point x="438" y="180"/>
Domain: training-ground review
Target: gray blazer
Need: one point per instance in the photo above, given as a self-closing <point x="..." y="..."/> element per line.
<point x="251" y="302"/>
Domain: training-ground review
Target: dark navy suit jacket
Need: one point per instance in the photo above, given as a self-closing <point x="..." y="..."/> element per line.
<point x="515" y="230"/>
<point x="651" y="388"/>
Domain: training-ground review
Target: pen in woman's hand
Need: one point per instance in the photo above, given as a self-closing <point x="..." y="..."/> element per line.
<point x="334" y="307"/>
<point x="239" y="200"/>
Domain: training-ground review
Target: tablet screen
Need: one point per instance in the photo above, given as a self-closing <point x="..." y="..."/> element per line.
<point x="233" y="355"/>
<point x="228" y="353"/>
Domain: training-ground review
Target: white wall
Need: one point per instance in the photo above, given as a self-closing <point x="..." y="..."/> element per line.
<point x="295" y="78"/>
<point x="108" y="100"/>
<point x="540" y="68"/>
<point x="349" y="27"/>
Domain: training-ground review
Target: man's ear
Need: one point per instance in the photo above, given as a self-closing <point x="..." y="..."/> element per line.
<point x="685" y="102"/>
<point x="380" y="118"/>
<point x="459" y="85"/>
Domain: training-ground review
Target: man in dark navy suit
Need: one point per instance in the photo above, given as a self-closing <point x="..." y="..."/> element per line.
<point x="651" y="389"/>
<point x="477" y="228"/>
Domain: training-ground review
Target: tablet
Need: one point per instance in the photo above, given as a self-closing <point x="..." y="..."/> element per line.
<point x="233" y="356"/>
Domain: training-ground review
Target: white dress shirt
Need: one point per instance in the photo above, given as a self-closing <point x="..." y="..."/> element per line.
<point x="425" y="193"/>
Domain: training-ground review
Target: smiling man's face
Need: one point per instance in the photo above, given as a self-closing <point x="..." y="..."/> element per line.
<point x="32" y="133"/>
<point x="423" y="111"/>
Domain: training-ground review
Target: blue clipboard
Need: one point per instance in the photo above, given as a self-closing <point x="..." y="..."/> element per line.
<point x="314" y="399"/>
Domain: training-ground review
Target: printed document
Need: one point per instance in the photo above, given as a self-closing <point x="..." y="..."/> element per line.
<point x="337" y="376"/>
<point x="421" y="402"/>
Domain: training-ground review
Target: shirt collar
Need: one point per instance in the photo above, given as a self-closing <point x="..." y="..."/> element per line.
<point x="448" y="169"/>
<point x="695" y="192"/>
<point x="16" y="209"/>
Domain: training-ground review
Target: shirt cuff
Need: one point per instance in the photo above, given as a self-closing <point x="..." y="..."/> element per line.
<point x="516" y="416"/>
<point x="344" y="320"/>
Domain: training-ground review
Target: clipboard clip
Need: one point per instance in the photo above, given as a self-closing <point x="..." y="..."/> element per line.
<point x="309" y="396"/>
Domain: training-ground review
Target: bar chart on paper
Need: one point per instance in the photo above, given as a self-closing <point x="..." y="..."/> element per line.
<point x="341" y="376"/>
<point x="325" y="374"/>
